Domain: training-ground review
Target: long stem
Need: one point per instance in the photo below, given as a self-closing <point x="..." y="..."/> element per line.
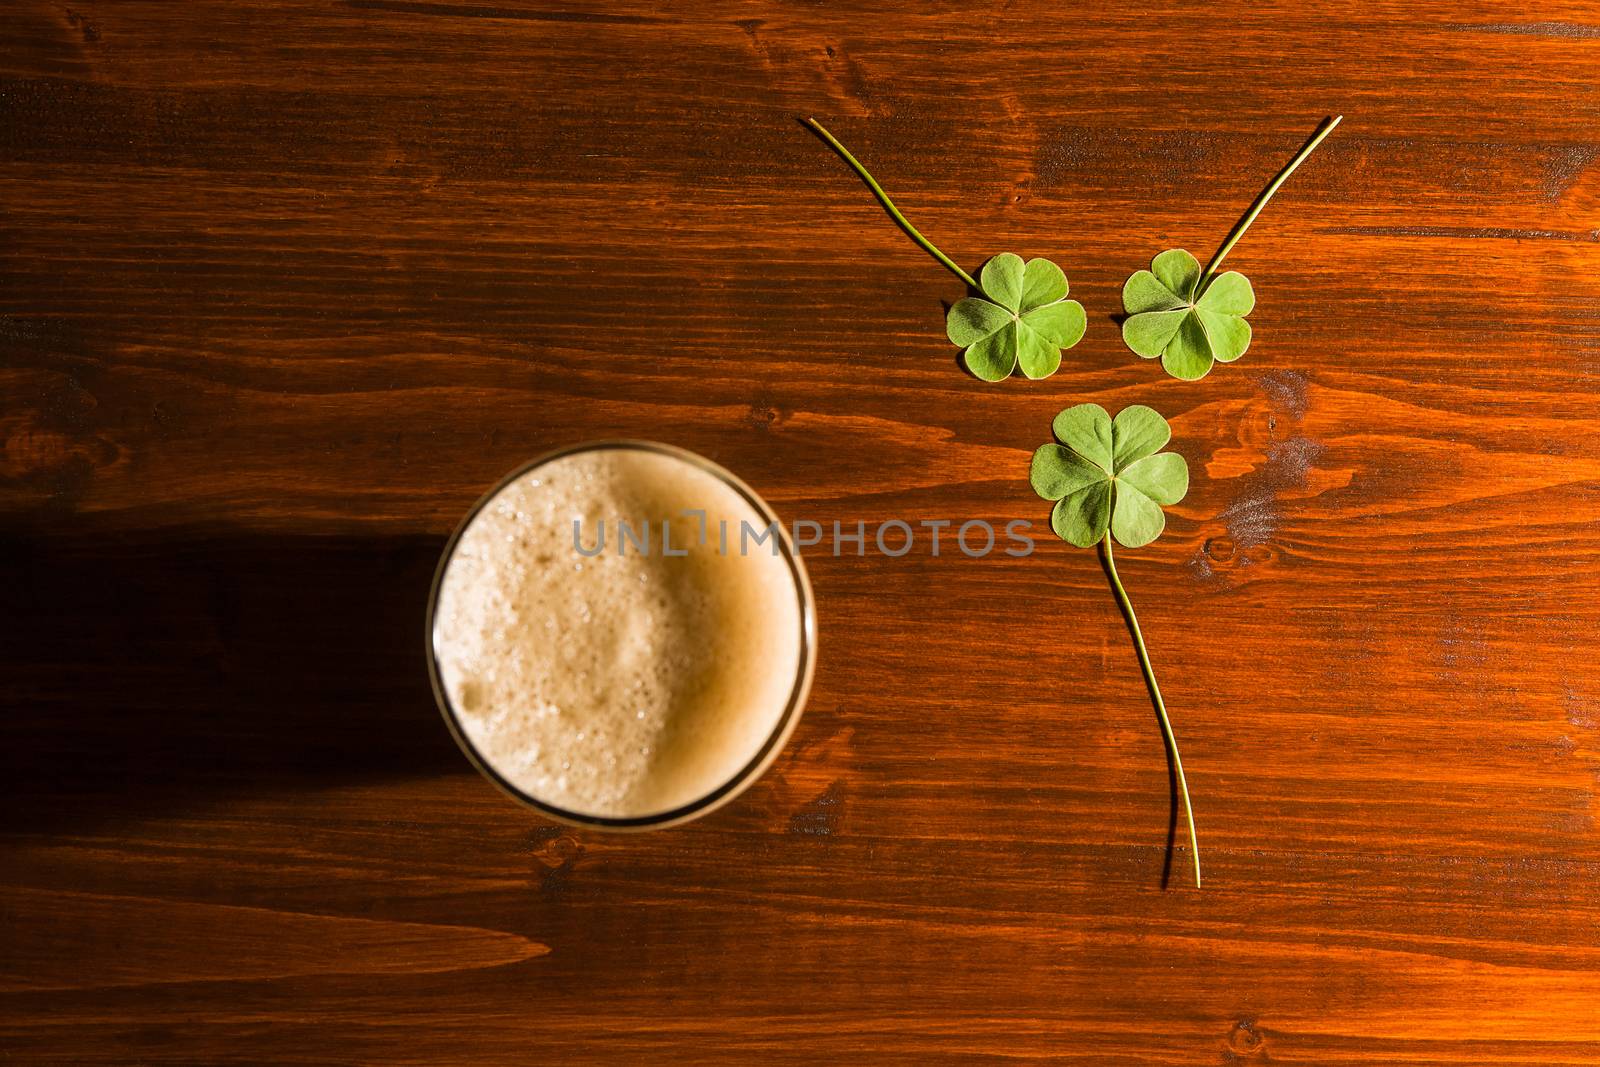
<point x="888" y="205"/>
<point x="1261" y="201"/>
<point x="1155" y="695"/>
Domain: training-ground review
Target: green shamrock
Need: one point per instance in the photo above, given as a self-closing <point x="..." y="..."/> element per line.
<point x="1193" y="318"/>
<point x="1109" y="474"/>
<point x="1166" y="318"/>
<point x="1113" y="475"/>
<point x="1027" y="319"/>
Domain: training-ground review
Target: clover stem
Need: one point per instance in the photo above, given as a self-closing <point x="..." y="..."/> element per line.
<point x="888" y="205"/>
<point x="1261" y="201"/>
<point x="1155" y="695"/>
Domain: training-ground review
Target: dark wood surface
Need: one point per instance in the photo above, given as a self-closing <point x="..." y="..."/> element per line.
<point x="287" y="283"/>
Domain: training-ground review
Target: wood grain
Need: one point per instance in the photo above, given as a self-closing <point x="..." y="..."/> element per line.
<point x="285" y="284"/>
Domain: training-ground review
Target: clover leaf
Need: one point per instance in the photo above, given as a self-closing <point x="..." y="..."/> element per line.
<point x="1109" y="474"/>
<point x="1193" y="318"/>
<point x="1026" y="319"/>
<point x="1166" y="319"/>
<point x="1023" y="317"/>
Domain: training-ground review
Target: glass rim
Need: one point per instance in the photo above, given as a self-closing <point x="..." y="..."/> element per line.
<point x="776" y="739"/>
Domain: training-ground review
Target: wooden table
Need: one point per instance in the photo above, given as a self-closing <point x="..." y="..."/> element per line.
<point x="288" y="283"/>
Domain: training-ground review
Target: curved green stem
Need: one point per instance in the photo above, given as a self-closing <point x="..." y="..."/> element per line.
<point x="888" y="205"/>
<point x="1261" y="201"/>
<point x="1155" y="695"/>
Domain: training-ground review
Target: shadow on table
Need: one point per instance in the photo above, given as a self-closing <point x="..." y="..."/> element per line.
<point x="148" y="675"/>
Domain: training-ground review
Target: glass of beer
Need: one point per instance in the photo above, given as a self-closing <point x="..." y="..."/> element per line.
<point x="621" y="634"/>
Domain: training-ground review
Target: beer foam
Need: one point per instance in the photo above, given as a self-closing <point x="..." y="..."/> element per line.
<point x="627" y="683"/>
